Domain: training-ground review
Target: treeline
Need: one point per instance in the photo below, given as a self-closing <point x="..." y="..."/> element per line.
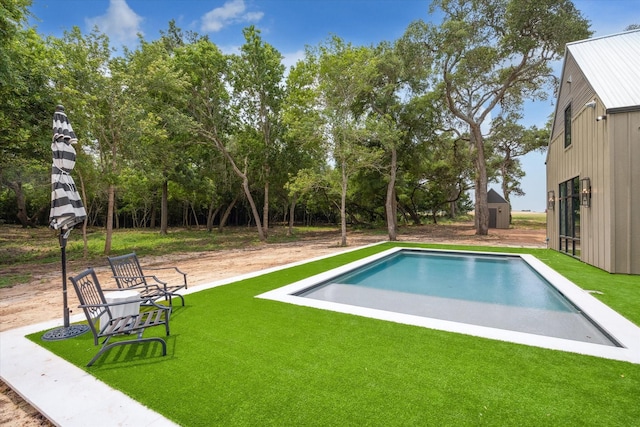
<point x="175" y="132"/>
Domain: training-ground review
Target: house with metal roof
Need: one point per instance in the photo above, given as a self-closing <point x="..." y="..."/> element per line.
<point x="593" y="159"/>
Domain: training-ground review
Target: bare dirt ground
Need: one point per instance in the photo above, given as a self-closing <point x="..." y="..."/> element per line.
<point x="41" y="299"/>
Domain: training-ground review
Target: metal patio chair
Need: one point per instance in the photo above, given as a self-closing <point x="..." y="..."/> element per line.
<point x="105" y="326"/>
<point x="129" y="275"/>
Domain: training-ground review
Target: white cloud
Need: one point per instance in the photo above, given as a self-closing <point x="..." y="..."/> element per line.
<point x="120" y="22"/>
<point x="230" y="49"/>
<point x="253" y="16"/>
<point x="231" y="12"/>
<point x="291" y="59"/>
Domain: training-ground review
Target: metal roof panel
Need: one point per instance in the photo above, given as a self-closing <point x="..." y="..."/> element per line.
<point x="611" y="64"/>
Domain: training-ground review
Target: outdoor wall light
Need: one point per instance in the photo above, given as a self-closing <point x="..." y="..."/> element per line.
<point x="591" y="104"/>
<point x="600" y="118"/>
<point x="585" y="192"/>
<point x="551" y="200"/>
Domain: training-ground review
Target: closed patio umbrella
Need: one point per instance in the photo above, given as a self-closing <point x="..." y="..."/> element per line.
<point x="67" y="209"/>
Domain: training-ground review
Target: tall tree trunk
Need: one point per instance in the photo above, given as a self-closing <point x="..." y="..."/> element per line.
<point x="116" y="217"/>
<point x="265" y="207"/>
<point x="505" y="184"/>
<point x="164" y="208"/>
<point x="292" y="211"/>
<point x="185" y="214"/>
<point x="481" y="181"/>
<point x="211" y="216"/>
<point x="242" y="175"/>
<point x="412" y="213"/>
<point x="227" y="212"/>
<point x="154" y="210"/>
<point x="343" y="207"/>
<point x="390" y="203"/>
<point x="21" y="201"/>
<point x="111" y="197"/>
<point x="254" y="209"/>
<point x="195" y="216"/>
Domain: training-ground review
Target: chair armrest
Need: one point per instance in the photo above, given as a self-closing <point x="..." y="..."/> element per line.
<point x="161" y="289"/>
<point x="141" y="277"/>
<point x="151" y="276"/>
<point x="176" y="269"/>
<point x="109" y="304"/>
<point x="166" y="268"/>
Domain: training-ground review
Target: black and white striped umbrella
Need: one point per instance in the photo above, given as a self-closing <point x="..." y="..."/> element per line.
<point x="67" y="209"/>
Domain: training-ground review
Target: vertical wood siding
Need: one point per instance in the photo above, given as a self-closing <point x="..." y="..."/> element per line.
<point x="585" y="157"/>
<point x="624" y="129"/>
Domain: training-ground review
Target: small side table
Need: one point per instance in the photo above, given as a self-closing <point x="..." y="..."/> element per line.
<point x="121" y="310"/>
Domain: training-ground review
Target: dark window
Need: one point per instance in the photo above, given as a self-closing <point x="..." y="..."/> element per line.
<point x="567" y="126"/>
<point x="569" y="212"/>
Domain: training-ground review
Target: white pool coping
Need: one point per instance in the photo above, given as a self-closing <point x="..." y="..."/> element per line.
<point x="71" y="397"/>
<point x="625" y="332"/>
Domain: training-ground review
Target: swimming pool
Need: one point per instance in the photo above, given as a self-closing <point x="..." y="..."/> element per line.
<point x="509" y="297"/>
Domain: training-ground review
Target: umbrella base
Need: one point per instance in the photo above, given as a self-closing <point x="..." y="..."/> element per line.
<point x="65" y="332"/>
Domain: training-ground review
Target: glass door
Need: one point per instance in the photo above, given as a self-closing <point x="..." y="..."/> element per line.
<point x="569" y="201"/>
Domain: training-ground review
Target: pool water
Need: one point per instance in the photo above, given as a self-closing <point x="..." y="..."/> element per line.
<point x="498" y="280"/>
<point x="494" y="291"/>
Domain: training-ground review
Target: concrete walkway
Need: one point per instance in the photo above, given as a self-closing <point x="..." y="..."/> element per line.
<point x="62" y="392"/>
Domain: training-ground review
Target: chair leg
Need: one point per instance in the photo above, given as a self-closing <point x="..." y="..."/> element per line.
<point x="181" y="297"/>
<point x="170" y="295"/>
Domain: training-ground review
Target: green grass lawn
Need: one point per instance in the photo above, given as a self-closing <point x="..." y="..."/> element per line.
<point x="234" y="359"/>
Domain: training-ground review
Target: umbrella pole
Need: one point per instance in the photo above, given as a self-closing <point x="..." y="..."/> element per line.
<point x="64" y="235"/>
<point x="67" y="331"/>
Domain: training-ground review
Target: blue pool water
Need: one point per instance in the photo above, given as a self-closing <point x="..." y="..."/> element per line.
<point x="496" y="291"/>
<point x="497" y="280"/>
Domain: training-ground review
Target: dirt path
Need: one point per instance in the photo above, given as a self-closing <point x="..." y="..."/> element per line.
<point x="40" y="300"/>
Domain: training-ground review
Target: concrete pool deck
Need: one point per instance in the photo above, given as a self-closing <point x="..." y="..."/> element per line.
<point x="70" y="396"/>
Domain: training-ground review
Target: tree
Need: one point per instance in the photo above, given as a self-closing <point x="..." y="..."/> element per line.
<point x="494" y="54"/>
<point x="25" y="112"/>
<point x="304" y="151"/>
<point x="508" y="141"/>
<point x="94" y="86"/>
<point x="378" y="101"/>
<point x="13" y="17"/>
<point x="342" y="78"/>
<point x="160" y="91"/>
<point x="209" y="109"/>
<point x="394" y="77"/>
<point x="258" y="75"/>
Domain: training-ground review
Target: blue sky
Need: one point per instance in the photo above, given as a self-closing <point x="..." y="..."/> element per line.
<point x="290" y="25"/>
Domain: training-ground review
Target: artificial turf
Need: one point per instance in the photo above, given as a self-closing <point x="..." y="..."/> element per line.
<point x="234" y="359"/>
